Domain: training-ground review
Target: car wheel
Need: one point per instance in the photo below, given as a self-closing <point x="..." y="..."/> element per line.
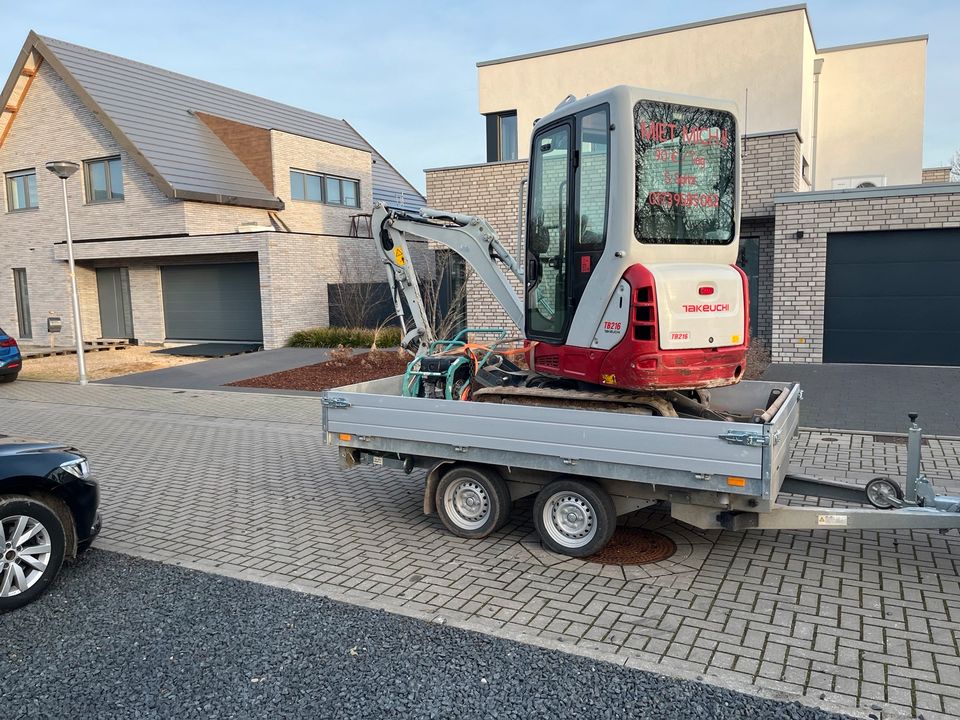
<point x="32" y="542"/>
<point x="8" y="378"/>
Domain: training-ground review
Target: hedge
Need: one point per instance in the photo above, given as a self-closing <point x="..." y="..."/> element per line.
<point x="328" y="337"/>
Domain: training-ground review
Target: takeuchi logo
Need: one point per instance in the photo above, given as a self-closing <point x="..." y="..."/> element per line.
<point x="716" y="307"/>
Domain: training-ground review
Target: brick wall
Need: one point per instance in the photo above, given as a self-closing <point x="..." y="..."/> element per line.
<point x="491" y="191"/>
<point x="936" y="175"/>
<point x="54" y="124"/>
<point x="295" y="151"/>
<point x="771" y="163"/>
<point x="250" y="144"/>
<point x="799" y="277"/>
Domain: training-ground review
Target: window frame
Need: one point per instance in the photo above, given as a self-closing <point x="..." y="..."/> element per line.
<point x="108" y="177"/>
<point x="9" y="179"/>
<point x="495" y="136"/>
<point x="21" y="292"/>
<point x="324" y="179"/>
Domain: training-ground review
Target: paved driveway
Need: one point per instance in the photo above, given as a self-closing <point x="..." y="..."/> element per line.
<point x="876" y="397"/>
<point x="213" y="374"/>
<point x="242" y="485"/>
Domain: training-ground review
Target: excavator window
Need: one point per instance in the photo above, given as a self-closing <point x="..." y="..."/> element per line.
<point x="548" y="219"/>
<point x="567" y="218"/>
<point x="686" y="174"/>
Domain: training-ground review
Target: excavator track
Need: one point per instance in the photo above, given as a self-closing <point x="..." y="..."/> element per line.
<point x="630" y="403"/>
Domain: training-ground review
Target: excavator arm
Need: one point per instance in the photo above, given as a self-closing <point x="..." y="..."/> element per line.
<point x="470" y="237"/>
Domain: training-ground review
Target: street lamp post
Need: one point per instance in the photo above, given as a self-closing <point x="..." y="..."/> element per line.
<point x="63" y="169"/>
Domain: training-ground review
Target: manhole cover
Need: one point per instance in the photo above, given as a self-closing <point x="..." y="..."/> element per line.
<point x="635" y="546"/>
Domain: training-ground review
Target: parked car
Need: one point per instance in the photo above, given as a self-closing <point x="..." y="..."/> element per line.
<point x="49" y="510"/>
<point x="10" y="359"/>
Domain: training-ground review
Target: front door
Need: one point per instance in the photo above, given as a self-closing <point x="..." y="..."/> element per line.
<point x="116" y="317"/>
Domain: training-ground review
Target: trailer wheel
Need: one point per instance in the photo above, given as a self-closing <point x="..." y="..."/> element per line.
<point x="883" y="493"/>
<point x="473" y="502"/>
<point x="574" y="517"/>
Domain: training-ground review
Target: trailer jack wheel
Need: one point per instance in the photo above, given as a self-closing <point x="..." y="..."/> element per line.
<point x="473" y="502"/>
<point x="884" y="494"/>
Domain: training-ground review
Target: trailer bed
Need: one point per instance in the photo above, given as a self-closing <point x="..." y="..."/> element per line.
<point x="743" y="459"/>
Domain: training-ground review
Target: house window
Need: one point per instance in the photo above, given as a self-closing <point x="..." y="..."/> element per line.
<point x="502" y="136"/>
<point x="22" y="190"/>
<point x="104" y="179"/>
<point x="327" y="189"/>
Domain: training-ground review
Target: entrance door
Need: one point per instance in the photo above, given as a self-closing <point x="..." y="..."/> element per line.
<point x="749" y="262"/>
<point x="116" y="317"/>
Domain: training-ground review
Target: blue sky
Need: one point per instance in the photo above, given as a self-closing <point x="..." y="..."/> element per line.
<point x="404" y="74"/>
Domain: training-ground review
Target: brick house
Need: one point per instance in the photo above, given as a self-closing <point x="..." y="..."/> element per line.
<point x="200" y="213"/>
<point x="833" y="189"/>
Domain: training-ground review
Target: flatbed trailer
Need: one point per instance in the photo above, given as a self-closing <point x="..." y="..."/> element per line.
<point x="587" y="467"/>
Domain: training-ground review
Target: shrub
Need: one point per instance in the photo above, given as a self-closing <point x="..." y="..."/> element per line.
<point x="345" y="337"/>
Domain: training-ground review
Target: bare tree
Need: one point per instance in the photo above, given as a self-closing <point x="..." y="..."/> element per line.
<point x="357" y="303"/>
<point x="955" y="167"/>
<point x="444" y="293"/>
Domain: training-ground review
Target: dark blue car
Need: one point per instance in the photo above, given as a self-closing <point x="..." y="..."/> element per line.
<point x="10" y="360"/>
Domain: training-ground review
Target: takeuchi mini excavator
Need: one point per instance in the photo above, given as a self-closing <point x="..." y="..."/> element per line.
<point x="632" y="299"/>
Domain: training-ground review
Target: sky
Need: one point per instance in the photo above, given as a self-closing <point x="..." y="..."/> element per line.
<point x="404" y="74"/>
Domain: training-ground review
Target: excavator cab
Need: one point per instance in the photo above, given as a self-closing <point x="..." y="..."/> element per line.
<point x="631" y="242"/>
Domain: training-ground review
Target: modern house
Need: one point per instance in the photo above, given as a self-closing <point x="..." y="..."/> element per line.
<point x="200" y="213"/>
<point x="850" y="245"/>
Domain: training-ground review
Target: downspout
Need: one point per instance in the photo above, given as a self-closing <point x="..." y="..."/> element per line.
<point x="817" y="67"/>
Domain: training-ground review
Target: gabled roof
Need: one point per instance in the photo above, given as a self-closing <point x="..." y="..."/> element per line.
<point x="150" y="112"/>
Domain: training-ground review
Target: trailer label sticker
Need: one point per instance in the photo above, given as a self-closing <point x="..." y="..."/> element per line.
<point x="832" y="520"/>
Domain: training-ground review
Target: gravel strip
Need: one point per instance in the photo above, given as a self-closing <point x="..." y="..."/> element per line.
<point x="117" y="636"/>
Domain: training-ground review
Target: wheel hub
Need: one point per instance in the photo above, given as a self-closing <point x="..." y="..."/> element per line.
<point x="26" y="555"/>
<point x="468" y="504"/>
<point x="571" y="519"/>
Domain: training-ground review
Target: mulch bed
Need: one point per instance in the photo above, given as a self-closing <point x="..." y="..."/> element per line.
<point x="342" y="369"/>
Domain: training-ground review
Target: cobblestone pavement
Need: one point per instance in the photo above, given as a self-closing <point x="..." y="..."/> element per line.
<point x="242" y="484"/>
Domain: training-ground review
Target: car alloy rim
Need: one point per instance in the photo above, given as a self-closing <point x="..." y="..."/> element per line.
<point x="468" y="504"/>
<point x="569" y="519"/>
<point x="26" y="554"/>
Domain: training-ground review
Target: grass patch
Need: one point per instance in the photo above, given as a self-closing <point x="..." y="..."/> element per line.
<point x="344" y="337"/>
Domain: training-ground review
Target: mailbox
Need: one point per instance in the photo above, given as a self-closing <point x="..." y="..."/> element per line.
<point x="54" y="324"/>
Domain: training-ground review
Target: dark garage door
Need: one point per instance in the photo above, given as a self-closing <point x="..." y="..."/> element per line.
<point x="212" y="302"/>
<point x="892" y="298"/>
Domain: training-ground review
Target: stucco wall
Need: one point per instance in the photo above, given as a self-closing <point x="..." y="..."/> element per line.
<point x="871" y="113"/>
<point x="800" y="264"/>
<point x="763" y="54"/>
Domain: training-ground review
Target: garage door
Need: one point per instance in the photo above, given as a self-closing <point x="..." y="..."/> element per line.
<point x="212" y="302"/>
<point x="892" y="298"/>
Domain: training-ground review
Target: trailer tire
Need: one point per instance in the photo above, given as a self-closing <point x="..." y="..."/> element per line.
<point x="473" y="502"/>
<point x="574" y="517"/>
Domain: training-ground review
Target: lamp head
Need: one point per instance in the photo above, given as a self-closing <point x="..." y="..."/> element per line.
<point x="62" y="168"/>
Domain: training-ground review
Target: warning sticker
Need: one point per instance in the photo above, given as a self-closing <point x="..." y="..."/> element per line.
<point x="832" y="520"/>
<point x="398" y="255"/>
